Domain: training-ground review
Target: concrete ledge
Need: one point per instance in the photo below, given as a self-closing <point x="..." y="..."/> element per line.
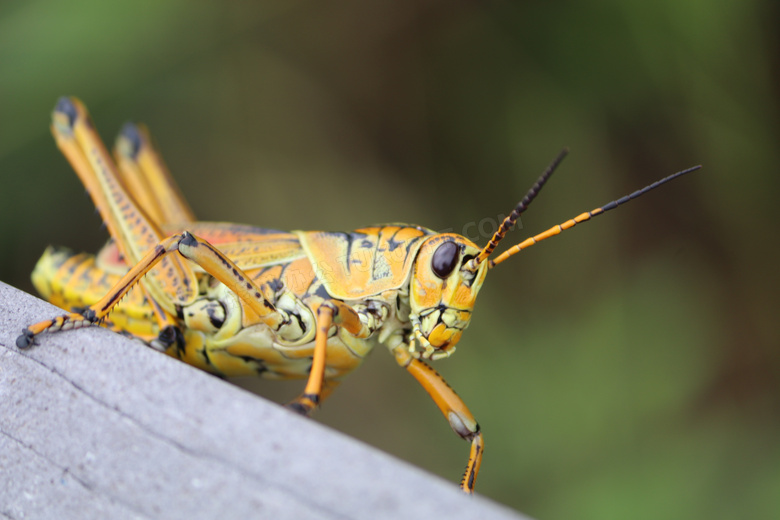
<point x="93" y="425"/>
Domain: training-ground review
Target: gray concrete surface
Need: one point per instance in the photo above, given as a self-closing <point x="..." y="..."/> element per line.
<point x="94" y="425"/>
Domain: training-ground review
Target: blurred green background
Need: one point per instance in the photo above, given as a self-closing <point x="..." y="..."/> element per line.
<point x="627" y="369"/>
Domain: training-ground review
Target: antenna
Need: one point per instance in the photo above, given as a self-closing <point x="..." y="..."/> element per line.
<point x="580" y="218"/>
<point x="519" y="209"/>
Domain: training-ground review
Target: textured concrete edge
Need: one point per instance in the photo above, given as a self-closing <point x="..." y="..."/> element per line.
<point x="363" y="479"/>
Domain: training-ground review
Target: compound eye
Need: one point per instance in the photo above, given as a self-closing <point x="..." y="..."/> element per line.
<point x="445" y="258"/>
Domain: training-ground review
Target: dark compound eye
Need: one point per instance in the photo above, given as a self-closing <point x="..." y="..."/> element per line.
<point x="445" y="258"/>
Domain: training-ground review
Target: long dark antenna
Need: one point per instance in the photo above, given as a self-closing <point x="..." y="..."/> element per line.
<point x="584" y="217"/>
<point x="519" y="209"/>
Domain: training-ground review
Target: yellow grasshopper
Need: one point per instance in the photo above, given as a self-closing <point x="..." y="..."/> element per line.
<point x="234" y="299"/>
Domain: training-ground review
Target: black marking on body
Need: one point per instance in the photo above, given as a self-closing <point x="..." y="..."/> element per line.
<point x="350" y="239"/>
<point x="205" y="353"/>
<point x="472" y="476"/>
<point x="66" y="106"/>
<point x="186" y="280"/>
<point x="131" y="133"/>
<point x="386" y="271"/>
<point x="283" y="272"/>
<point x="275" y="285"/>
<point x="223" y="260"/>
<point x="188" y="240"/>
<point x="348" y="260"/>
<point x="90" y="315"/>
<point x="298" y="318"/>
<point x="72" y="267"/>
<point x="85" y="275"/>
<point x="266" y="290"/>
<point x="473" y="473"/>
<point x="410" y="244"/>
<point x="392" y="243"/>
<point x="259" y="274"/>
<point x="258" y="364"/>
<point x="321" y="291"/>
<point x="172" y="335"/>
<point x="216" y="320"/>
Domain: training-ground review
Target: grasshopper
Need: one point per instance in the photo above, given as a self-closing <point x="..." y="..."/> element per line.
<point x="235" y="299"/>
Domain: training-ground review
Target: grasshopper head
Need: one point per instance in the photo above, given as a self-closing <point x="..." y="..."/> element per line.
<point x="447" y="275"/>
<point x="449" y="270"/>
<point x="444" y="286"/>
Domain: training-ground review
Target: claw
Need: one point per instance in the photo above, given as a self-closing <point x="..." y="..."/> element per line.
<point x="26" y="339"/>
<point x="304" y="405"/>
<point x="297" y="408"/>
